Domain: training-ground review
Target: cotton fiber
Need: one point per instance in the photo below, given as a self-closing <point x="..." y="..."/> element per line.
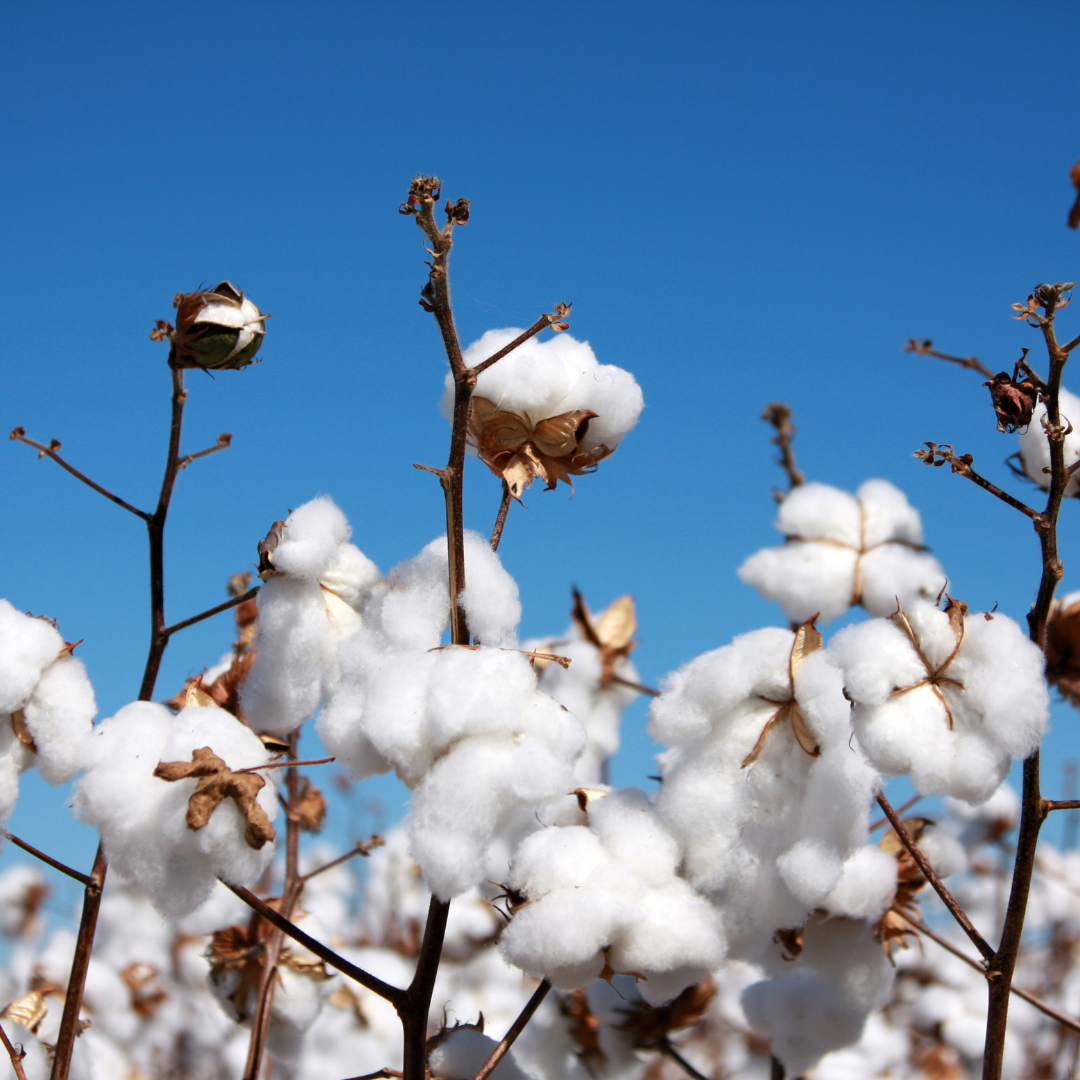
<point x="949" y="697"/>
<point x="460" y="1053"/>
<point x="843" y="550"/>
<point x="1035" y="447"/>
<point x="143" y="819"/>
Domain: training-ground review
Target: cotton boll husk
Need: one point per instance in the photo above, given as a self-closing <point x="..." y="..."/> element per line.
<point x="461" y="1053"/>
<point x="674" y="942"/>
<point x="491" y="601"/>
<point x="892" y="571"/>
<point x="310" y="539"/>
<point x="804" y="578"/>
<point x="819" y="512"/>
<point x="866" y="887"/>
<point x="887" y="515"/>
<point x="876" y="657"/>
<point x="553" y="859"/>
<point x="27" y="647"/>
<point x="59" y="715"/>
<point x="16" y="883"/>
<point x="1035" y="447"/>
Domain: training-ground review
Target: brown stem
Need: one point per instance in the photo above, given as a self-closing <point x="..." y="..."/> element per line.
<point x="379" y="1074"/>
<point x="516" y="1028"/>
<point x="19" y="434"/>
<point x="1031" y="999"/>
<point x="955" y="910"/>
<point x="962" y="465"/>
<point x="899" y="810"/>
<point x="641" y="688"/>
<point x="15" y="1055"/>
<point x="234" y="602"/>
<point x="500" y="520"/>
<point x="224" y="441"/>
<point x="541" y="324"/>
<point x="78" y="875"/>
<point x="413" y="1010"/>
<point x="287" y="765"/>
<point x="361" y="848"/>
<point x="1061" y="804"/>
<point x="1032" y="809"/>
<point x="779" y="415"/>
<point x="776" y="1069"/>
<point x="923" y="349"/>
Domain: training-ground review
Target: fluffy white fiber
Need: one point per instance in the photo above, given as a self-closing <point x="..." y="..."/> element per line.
<point x="996" y="694"/>
<point x="461" y="1052"/>
<point x="1035" y="447"/>
<point x="303" y="614"/>
<point x="842" y="550"/>
<point x="142" y="819"/>
<point x="606" y="892"/>
<point x="541" y="379"/>
<point x="766" y="839"/>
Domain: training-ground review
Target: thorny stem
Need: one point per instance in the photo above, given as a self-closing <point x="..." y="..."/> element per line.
<point x="500" y="520"/>
<point x="15" y="1055"/>
<point x="78" y="875"/>
<point x="923" y="349"/>
<point x="234" y="602"/>
<point x="1031" y="999"/>
<point x="1033" y="811"/>
<point x="955" y="910"/>
<point x="665" y="1047"/>
<point x="19" y="434"/>
<point x="294" y="883"/>
<point x="516" y="1028"/>
<point x="779" y="415"/>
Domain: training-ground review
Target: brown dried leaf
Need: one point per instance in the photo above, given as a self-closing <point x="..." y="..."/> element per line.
<point x="28" y="1010"/>
<point x="311" y="810"/>
<point x="803" y="735"/>
<point x="648" y="1025"/>
<point x="144" y="982"/>
<point x="892" y="843"/>
<point x="218" y="782"/>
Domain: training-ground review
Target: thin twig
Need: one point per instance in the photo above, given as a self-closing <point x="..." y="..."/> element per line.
<point x="665" y="1047"/>
<point x="78" y="875"/>
<point x="234" y="602"/>
<point x="923" y="348"/>
<point x="361" y="848"/>
<point x="928" y="872"/>
<point x="379" y="1074"/>
<point x="19" y="434"/>
<point x="779" y="415"/>
<point x="516" y="1028"/>
<point x="899" y="810"/>
<point x="541" y="324"/>
<point x="1061" y="804"/>
<point x="15" y="1055"/>
<point x="640" y="687"/>
<point x="339" y="963"/>
<point x="500" y="520"/>
<point x="939" y="453"/>
<point x="1031" y="999"/>
<point x="224" y="441"/>
<point x="287" y="764"/>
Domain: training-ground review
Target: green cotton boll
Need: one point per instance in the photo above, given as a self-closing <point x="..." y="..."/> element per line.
<point x="224" y="347"/>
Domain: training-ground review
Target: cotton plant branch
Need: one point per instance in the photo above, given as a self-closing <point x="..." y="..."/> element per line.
<point x="500" y="520"/>
<point x="56" y="864"/>
<point x="925" y="348"/>
<point x="779" y="415"/>
<point x="15" y="1055"/>
<point x="900" y="810"/>
<point x="938" y="885"/>
<point x="224" y="441"/>
<point x="668" y="1050"/>
<point x="210" y="612"/>
<point x="516" y="1028"/>
<point x="361" y="847"/>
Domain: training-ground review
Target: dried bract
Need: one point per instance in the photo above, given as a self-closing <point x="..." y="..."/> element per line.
<point x="1013" y="401"/>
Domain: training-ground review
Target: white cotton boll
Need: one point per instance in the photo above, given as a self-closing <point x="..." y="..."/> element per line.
<point x="14" y="760"/>
<point x="27" y="647"/>
<point x="866" y="887"/>
<point x="876" y="657"/>
<point x="538" y="773"/>
<point x="478" y="692"/>
<point x="1002" y="806"/>
<point x="310" y="539"/>
<point x="804" y="578"/>
<point x="819" y="512"/>
<point x="17" y="884"/>
<point x="413" y="608"/>
<point x="1035" y="447"/>
<point x="556" y="859"/>
<point x="630" y="829"/>
<point x="547" y="719"/>
<point x="351" y="576"/>
<point x="944" y="852"/>
<point x="810" y="869"/>
<point x="461" y="1052"/>
<point x="490" y="601"/>
<point x="887" y="515"/>
<point x="59" y="715"/>
<point x="892" y="571"/>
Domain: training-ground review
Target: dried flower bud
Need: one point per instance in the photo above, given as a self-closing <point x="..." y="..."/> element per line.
<point x="1013" y="401"/>
<point x="216" y="329"/>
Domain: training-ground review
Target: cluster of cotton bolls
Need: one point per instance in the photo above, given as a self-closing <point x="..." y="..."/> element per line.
<point x="46" y="703"/>
<point x="845" y="549"/>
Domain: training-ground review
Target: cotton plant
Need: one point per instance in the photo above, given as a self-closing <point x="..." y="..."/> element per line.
<point x="948" y="697"/>
<point x="46" y="703"/>
<point x="1035" y="447"/>
<point x="604" y="897"/>
<point x="844" y="549"/>
<point x="548" y="411"/>
<point x="760" y="785"/>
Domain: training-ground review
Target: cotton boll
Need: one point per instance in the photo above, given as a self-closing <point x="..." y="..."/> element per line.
<point x="805" y="578"/>
<point x="556" y="859"/>
<point x="632" y="832"/>
<point x="477" y="692"/>
<point x="414" y="608"/>
<point x="810" y="869"/>
<point x="59" y="715"/>
<point x="819" y="512"/>
<point x="460" y="1053"/>
<point x="866" y="887"/>
<point x="893" y="570"/>
<point x="14" y="760"/>
<point x="537" y="772"/>
<point x="944" y="853"/>
<point x="1035" y="447"/>
<point x="27" y="647"/>
<point x="490" y="601"/>
<point x="887" y="515"/>
<point x="310" y="539"/>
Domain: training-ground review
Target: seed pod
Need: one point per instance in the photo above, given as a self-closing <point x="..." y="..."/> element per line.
<point x="217" y="329"/>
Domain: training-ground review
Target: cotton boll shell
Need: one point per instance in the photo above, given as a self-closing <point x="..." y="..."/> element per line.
<point x="866" y="887"/>
<point x="59" y="717"/>
<point x="805" y="577"/>
<point x="893" y="571"/>
<point x="27" y="647"/>
<point x="310" y="539"/>
<point x="1035" y="447"/>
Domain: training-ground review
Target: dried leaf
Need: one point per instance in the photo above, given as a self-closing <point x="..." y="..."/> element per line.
<point x="648" y="1026"/>
<point x="311" y="809"/>
<point x="266" y="548"/>
<point x="803" y="735"/>
<point x="28" y="1010"/>
<point x="218" y="782"/>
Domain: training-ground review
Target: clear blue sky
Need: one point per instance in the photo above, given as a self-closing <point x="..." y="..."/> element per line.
<point x="744" y="202"/>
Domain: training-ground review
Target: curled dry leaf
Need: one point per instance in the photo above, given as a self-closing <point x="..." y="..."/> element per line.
<point x="311" y="809"/>
<point x="519" y="451"/>
<point x="28" y="1010"/>
<point x="808" y="640"/>
<point x="218" y="782"/>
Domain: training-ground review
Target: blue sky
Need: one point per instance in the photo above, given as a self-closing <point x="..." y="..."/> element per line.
<point x="744" y="203"/>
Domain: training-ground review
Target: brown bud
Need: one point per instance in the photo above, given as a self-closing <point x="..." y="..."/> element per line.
<point x="1014" y="402"/>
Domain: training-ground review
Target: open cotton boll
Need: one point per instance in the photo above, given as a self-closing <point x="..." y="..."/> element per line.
<point x="310" y="538"/>
<point x="59" y="715"/>
<point x="953" y="711"/>
<point x="944" y="852"/>
<point x="142" y="819"/>
<point x="866" y="887"/>
<point x="1035" y="447"/>
<point x="844" y="550"/>
<point x="490" y="601"/>
<point x="460" y="1053"/>
<point x="27" y="647"/>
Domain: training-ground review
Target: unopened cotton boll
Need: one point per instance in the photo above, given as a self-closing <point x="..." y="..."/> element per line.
<point x="1035" y="446"/>
<point x="953" y="712"/>
<point x="843" y="550"/>
<point x="142" y="819"/>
